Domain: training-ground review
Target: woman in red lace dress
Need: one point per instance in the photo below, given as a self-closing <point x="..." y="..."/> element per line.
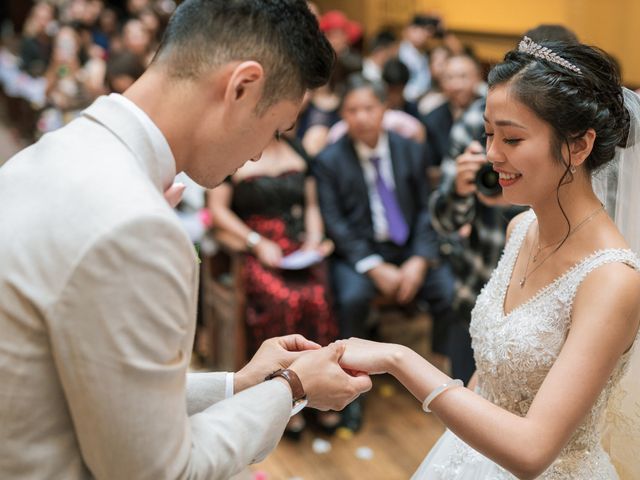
<point x="271" y="206"/>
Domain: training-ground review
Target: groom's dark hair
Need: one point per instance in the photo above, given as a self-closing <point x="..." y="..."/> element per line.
<point x="282" y="35"/>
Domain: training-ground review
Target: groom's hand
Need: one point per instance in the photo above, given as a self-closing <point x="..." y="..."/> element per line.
<point x="273" y="354"/>
<point x="327" y="385"/>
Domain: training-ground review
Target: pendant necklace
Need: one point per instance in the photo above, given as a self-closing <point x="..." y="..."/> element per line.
<point x="527" y="274"/>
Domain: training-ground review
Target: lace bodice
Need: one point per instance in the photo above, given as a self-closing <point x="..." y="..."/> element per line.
<point x="515" y="351"/>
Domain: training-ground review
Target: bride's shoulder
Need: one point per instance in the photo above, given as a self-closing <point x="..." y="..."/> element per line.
<point x="611" y="293"/>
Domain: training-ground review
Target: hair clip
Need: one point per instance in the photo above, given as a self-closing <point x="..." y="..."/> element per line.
<point x="532" y="48"/>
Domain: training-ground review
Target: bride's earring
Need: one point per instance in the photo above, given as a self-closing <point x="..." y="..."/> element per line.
<point x="572" y="169"/>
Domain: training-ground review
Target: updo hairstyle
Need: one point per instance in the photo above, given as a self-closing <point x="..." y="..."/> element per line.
<point x="570" y="102"/>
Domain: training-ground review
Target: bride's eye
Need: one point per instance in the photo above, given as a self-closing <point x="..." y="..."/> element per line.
<point x="512" y="141"/>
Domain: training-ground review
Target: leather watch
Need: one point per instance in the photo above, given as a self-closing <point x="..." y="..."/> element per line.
<point x="297" y="391"/>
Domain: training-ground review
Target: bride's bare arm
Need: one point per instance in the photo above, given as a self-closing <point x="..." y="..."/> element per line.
<point x="604" y="324"/>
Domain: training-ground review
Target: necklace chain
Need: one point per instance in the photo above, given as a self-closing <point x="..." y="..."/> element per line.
<point x="581" y="224"/>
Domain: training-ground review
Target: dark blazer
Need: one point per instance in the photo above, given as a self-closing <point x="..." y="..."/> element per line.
<point x="344" y="198"/>
<point x="438" y="124"/>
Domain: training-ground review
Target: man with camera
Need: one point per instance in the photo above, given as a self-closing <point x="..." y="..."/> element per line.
<point x="470" y="214"/>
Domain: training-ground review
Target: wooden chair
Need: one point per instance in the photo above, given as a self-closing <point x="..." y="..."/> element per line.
<point x="223" y="303"/>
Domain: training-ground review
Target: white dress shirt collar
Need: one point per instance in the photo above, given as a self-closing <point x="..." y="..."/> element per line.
<point x="139" y="134"/>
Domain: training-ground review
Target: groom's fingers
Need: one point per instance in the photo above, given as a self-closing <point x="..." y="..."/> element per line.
<point x="338" y="350"/>
<point x="361" y="382"/>
<point x="297" y="343"/>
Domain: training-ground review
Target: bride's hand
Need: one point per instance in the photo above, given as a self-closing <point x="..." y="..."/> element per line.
<point x="368" y="356"/>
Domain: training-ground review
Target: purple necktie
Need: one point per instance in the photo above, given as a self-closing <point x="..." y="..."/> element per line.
<point x="398" y="229"/>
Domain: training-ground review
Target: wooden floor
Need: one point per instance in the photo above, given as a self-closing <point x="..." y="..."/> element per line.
<point x="396" y="430"/>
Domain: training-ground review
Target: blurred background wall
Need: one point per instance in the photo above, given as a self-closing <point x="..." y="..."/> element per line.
<point x="493" y="26"/>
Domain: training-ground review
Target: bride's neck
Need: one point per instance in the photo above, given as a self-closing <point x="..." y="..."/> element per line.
<point x="577" y="205"/>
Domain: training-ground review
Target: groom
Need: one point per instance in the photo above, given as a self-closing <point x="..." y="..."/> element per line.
<point x="98" y="281"/>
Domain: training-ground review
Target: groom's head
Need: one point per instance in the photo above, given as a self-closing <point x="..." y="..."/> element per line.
<point x="281" y="35"/>
<point x="253" y="61"/>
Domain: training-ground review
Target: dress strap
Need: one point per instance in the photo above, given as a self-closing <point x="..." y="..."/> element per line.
<point x="576" y="275"/>
<point x="610" y="255"/>
<point x="514" y="242"/>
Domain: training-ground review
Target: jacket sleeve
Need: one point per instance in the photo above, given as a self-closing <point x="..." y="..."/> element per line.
<point x="348" y="245"/>
<point x="204" y="389"/>
<point x="450" y="211"/>
<point x="424" y="242"/>
<point x="121" y="340"/>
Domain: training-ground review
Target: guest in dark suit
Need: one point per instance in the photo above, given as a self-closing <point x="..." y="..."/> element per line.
<point x="461" y="81"/>
<point x="374" y="199"/>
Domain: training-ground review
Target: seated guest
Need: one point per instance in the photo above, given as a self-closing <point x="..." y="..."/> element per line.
<point x="395" y="76"/>
<point x="383" y="47"/>
<point x="460" y="81"/>
<point x="321" y="111"/>
<point x="271" y="207"/>
<point x="36" y="43"/>
<point x="344" y="35"/>
<point x="435" y="97"/>
<point x="318" y="116"/>
<point x="373" y="196"/>
<point x="416" y="35"/>
<point x="122" y="70"/>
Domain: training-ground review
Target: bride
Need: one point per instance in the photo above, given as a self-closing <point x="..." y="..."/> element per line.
<point x="554" y="329"/>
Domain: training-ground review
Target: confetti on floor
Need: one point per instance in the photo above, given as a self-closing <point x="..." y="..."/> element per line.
<point x="364" y="453"/>
<point x="321" y="446"/>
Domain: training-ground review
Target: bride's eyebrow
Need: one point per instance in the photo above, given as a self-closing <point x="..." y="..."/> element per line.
<point x="505" y="123"/>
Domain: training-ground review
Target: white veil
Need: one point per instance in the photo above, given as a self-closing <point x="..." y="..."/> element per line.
<point x="618" y="186"/>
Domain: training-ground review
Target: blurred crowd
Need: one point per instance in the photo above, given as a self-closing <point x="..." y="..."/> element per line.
<point x="69" y="52"/>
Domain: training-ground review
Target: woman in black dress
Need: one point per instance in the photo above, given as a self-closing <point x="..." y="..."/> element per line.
<point x="271" y="206"/>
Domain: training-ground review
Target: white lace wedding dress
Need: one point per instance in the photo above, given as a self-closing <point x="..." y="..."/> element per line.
<point x="514" y="352"/>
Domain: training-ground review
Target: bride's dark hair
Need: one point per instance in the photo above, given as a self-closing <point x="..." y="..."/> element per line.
<point x="568" y="101"/>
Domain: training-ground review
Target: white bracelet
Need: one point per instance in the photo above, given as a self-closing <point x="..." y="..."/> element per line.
<point x="228" y="385"/>
<point x="432" y="396"/>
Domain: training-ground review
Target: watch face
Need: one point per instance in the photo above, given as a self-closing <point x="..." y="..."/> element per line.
<point x="253" y="239"/>
<point x="299" y="405"/>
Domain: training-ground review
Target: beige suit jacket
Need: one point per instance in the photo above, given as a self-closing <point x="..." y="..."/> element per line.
<point x="97" y="316"/>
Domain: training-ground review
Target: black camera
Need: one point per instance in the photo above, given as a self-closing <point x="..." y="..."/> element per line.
<point x="487" y="181"/>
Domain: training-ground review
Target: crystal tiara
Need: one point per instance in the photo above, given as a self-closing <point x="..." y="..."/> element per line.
<point x="532" y="48"/>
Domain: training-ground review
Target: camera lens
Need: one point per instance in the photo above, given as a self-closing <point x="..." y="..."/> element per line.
<point x="487" y="181"/>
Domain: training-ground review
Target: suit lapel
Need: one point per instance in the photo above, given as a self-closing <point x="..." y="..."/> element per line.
<point x="399" y="165"/>
<point x="356" y="172"/>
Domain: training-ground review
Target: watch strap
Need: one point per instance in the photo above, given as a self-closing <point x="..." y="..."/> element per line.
<point x="297" y="391"/>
